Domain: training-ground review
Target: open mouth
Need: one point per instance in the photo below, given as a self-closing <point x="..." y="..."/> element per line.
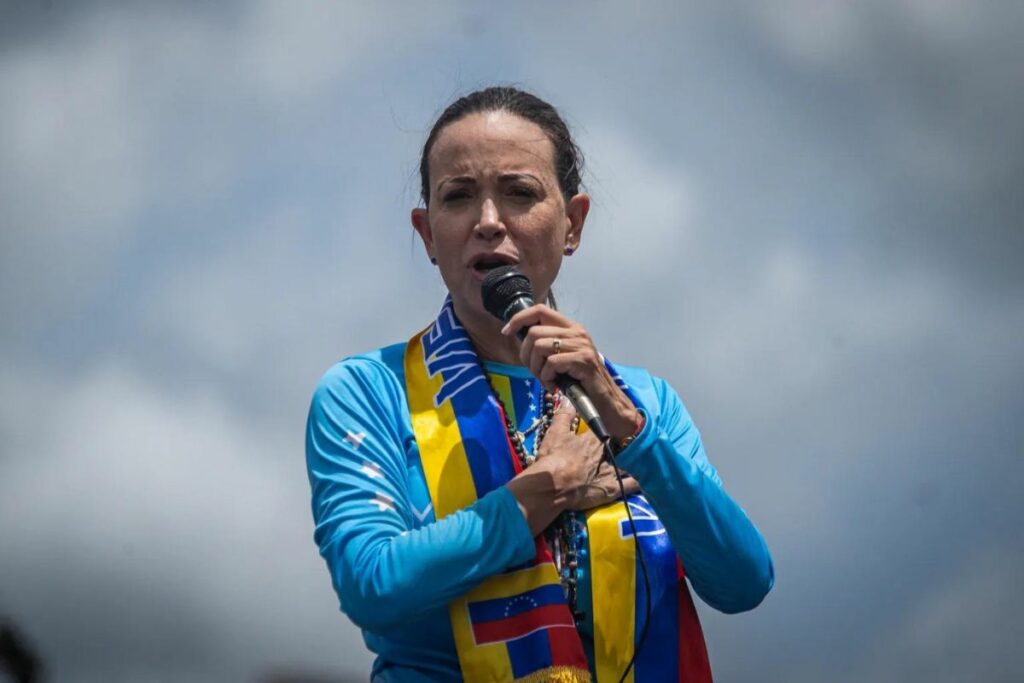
<point x="484" y="264"/>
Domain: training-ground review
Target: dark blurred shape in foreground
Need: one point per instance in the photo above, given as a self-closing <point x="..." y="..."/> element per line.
<point x="16" y="658"/>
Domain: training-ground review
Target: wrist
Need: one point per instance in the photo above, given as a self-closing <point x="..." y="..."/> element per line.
<point x="627" y="423"/>
<point x="619" y="414"/>
<point x="639" y="421"/>
<point x="534" y="492"/>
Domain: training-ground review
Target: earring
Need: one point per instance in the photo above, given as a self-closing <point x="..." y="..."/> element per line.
<point x="569" y="249"/>
<point x="433" y="260"/>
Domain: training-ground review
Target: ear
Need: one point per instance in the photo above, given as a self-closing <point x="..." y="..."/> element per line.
<point x="421" y="224"/>
<point x="576" y="215"/>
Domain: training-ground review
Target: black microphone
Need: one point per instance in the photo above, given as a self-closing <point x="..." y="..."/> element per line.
<point x="506" y="291"/>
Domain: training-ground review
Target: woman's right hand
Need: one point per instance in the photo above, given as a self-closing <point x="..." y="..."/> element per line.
<point x="572" y="458"/>
<point x="586" y="479"/>
<point x="569" y="474"/>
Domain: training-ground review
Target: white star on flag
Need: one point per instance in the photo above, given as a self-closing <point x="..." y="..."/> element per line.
<point x="371" y="469"/>
<point x="383" y="502"/>
<point x="355" y="438"/>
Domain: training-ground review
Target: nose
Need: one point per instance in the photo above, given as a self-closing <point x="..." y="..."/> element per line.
<point x="489" y="226"/>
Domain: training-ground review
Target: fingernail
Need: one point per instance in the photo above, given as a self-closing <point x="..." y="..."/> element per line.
<point x="505" y="329"/>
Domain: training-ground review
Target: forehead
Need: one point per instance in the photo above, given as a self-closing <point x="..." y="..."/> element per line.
<point x="491" y="142"/>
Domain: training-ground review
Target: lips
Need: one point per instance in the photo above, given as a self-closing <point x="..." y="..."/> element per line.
<point x="482" y="263"/>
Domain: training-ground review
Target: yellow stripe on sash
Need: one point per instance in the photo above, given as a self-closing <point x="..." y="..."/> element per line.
<point x="437" y="435"/>
<point x="613" y="577"/>
<point x="478" y="662"/>
<point x="503" y="387"/>
<point x="491" y="662"/>
<point x="512" y="584"/>
<point x="442" y="456"/>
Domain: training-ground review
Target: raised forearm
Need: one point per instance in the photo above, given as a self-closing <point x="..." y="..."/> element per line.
<point x="722" y="552"/>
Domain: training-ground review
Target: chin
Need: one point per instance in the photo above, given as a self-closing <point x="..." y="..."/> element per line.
<point x="471" y="302"/>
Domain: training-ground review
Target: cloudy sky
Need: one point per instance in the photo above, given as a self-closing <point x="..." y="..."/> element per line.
<point x="807" y="216"/>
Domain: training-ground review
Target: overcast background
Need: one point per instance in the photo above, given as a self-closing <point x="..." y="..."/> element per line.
<point x="807" y="216"/>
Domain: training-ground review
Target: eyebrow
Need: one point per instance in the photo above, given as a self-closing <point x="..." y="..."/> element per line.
<point x="456" y="179"/>
<point x="503" y="178"/>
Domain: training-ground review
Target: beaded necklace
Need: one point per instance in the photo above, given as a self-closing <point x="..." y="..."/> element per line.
<point x="565" y="535"/>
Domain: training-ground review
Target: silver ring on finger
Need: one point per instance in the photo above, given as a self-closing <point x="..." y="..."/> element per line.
<point x="557" y="345"/>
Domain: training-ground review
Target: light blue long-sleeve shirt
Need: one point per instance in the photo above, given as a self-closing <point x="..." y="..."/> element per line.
<point x="395" y="567"/>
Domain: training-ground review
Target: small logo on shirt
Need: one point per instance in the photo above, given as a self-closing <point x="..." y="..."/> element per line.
<point x="355" y="438"/>
<point x="383" y="502"/>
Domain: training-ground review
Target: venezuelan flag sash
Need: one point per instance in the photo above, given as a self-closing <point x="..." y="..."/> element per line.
<point x="516" y="626"/>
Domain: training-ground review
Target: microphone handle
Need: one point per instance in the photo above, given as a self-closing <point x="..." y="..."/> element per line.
<point x="584" y="406"/>
<point x="569" y="385"/>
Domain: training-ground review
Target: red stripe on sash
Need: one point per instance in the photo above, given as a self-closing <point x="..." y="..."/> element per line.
<point x="510" y="628"/>
<point x="694" y="666"/>
<point x="566" y="648"/>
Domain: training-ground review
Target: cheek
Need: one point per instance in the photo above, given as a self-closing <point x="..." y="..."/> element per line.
<point x="549" y="238"/>
<point x="543" y="225"/>
<point x="544" y="253"/>
<point x="446" y="238"/>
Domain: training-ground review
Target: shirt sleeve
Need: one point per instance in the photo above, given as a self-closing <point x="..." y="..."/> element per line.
<point x="722" y="552"/>
<point x="383" y="569"/>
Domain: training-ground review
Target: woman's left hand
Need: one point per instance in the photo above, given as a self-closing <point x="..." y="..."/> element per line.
<point x="557" y="345"/>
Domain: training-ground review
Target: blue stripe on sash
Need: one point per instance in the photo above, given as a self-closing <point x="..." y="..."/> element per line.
<point x="487" y="450"/>
<point x="530" y="653"/>
<point x="504" y="608"/>
<point x="449" y="351"/>
<point x="658" y="659"/>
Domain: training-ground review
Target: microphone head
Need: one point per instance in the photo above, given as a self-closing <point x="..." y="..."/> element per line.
<point x="501" y="287"/>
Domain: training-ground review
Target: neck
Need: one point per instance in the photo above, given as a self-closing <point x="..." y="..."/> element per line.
<point x="485" y="332"/>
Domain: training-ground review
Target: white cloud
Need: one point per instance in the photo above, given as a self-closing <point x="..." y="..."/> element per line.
<point x="645" y="210"/>
<point x="200" y="515"/>
<point x="133" y="111"/>
<point x="965" y="628"/>
<point x="841" y="34"/>
<point x="812" y="32"/>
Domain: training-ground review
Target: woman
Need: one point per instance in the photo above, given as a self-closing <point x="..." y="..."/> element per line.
<point x="470" y="526"/>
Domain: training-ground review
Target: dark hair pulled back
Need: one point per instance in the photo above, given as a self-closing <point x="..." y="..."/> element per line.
<point x="568" y="157"/>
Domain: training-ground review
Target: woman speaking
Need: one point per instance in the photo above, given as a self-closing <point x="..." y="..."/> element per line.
<point x="472" y="526"/>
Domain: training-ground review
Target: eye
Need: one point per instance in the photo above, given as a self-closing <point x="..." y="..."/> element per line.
<point x="522" y="192"/>
<point x="454" y="196"/>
